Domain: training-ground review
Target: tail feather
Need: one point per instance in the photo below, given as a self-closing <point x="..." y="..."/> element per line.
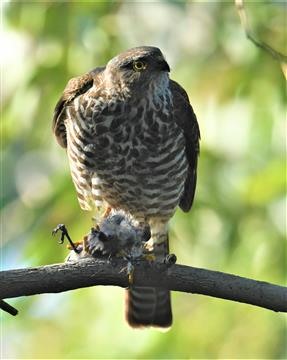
<point x="148" y="306"/>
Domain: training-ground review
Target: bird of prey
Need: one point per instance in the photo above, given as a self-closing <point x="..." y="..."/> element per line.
<point x="132" y="141"/>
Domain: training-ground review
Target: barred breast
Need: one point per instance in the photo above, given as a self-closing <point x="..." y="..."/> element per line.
<point x="126" y="154"/>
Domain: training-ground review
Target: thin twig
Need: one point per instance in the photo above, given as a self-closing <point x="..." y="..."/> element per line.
<point x="8" y="308"/>
<point x="261" y="44"/>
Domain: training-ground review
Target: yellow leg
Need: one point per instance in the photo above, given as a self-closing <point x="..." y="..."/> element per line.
<point x="107" y="211"/>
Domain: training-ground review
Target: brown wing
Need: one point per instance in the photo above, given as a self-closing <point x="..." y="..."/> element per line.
<point x="186" y="119"/>
<point x="75" y="87"/>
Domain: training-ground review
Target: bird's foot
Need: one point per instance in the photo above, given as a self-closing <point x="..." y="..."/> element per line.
<point x="64" y="233"/>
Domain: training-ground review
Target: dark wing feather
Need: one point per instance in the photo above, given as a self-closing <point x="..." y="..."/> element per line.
<point x="186" y="119"/>
<point x="75" y="87"/>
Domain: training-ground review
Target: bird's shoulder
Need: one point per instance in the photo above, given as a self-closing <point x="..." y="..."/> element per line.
<point x="75" y="87"/>
<point x="183" y="110"/>
<point x="186" y="119"/>
<point x="184" y="114"/>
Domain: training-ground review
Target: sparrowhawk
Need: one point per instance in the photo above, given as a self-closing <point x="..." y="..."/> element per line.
<point x="132" y="141"/>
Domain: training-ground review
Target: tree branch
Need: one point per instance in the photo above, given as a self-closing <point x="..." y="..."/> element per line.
<point x="282" y="58"/>
<point x="8" y="308"/>
<point x="89" y="272"/>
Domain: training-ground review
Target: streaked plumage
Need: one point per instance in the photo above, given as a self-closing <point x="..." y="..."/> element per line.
<point x="132" y="141"/>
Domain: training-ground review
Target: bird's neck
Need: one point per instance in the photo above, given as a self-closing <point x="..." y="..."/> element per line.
<point x="158" y="88"/>
<point x="115" y="87"/>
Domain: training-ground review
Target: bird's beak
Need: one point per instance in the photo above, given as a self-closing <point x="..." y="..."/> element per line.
<point x="163" y="65"/>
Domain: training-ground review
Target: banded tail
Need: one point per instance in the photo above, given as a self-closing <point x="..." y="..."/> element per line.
<point x="148" y="306"/>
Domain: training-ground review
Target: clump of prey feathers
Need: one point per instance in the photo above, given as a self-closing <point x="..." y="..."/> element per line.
<point x="116" y="235"/>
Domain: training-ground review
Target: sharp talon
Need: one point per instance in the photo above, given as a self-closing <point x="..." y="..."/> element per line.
<point x="63" y="229"/>
<point x="57" y="228"/>
<point x="170" y="259"/>
<point x="64" y="234"/>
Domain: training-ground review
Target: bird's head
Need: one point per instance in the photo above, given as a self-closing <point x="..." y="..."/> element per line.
<point x="138" y="67"/>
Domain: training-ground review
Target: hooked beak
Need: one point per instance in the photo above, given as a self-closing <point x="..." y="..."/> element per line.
<point x="163" y="66"/>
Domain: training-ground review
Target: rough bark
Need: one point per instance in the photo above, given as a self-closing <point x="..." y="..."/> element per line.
<point x="88" y="272"/>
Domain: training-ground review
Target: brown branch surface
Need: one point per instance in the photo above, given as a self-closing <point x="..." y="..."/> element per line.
<point x="88" y="272"/>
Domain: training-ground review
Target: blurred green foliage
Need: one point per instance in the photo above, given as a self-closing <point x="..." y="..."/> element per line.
<point x="237" y="223"/>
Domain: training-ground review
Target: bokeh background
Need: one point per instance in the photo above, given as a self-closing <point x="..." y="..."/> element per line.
<point x="237" y="223"/>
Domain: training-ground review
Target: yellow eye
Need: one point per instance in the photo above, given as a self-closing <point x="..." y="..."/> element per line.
<point x="139" y="65"/>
